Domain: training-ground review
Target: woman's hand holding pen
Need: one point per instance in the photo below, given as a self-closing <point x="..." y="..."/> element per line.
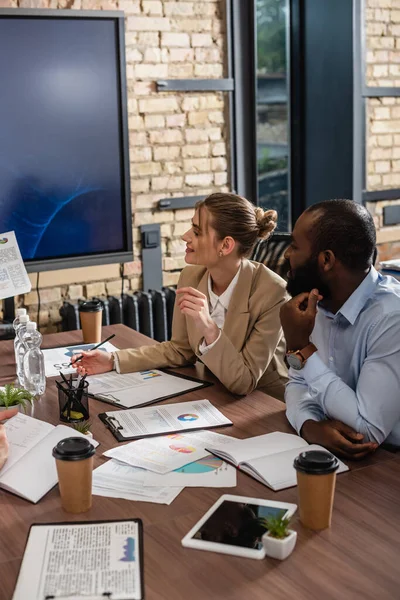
<point x="93" y="362"/>
<point x="194" y="305"/>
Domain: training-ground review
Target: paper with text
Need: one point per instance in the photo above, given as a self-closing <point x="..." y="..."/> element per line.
<point x="118" y="480"/>
<point x="14" y="279"/>
<point x="58" y="359"/>
<point x="165" y="453"/>
<point x="81" y="561"/>
<point x="140" y="388"/>
<point x="168" y="418"/>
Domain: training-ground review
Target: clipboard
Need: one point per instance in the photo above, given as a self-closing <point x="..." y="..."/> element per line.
<point x="85" y="596"/>
<point x="112" y="423"/>
<point x="199" y="384"/>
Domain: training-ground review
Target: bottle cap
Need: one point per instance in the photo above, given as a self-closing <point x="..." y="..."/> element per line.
<point x="316" y="462"/>
<point x="31" y="326"/>
<point x="24" y="318"/>
<point x="73" y="448"/>
<point x="20" y="311"/>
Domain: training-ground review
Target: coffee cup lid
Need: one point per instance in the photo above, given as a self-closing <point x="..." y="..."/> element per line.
<point x="91" y="306"/>
<point x="316" y="462"/>
<point x="73" y="448"/>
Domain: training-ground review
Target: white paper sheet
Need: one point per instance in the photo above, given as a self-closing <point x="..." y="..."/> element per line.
<point x="81" y="561"/>
<point x="14" y="279"/>
<point x="166" y="453"/>
<point x="58" y="359"/>
<point x="117" y="480"/>
<point x="209" y="471"/>
<point x="137" y="389"/>
<point x="168" y="418"/>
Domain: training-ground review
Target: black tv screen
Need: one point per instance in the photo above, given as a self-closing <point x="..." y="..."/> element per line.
<point x="64" y="166"/>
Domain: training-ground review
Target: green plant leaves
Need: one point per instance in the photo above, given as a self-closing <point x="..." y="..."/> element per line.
<point x="12" y="396"/>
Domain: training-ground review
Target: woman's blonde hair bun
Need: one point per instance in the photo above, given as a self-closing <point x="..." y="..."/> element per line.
<point x="266" y="221"/>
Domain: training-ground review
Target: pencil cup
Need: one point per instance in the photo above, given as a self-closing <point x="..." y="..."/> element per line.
<point x="316" y="479"/>
<point x="74" y="461"/>
<point x="91" y="314"/>
<point x="73" y="401"/>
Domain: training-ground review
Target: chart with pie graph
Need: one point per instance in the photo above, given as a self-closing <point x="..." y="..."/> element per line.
<point x="203" y="465"/>
<point x="182" y="448"/>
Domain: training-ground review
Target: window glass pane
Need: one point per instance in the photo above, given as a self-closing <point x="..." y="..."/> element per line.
<point x="272" y="108"/>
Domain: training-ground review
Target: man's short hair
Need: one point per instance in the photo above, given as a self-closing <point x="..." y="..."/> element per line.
<point x="347" y="229"/>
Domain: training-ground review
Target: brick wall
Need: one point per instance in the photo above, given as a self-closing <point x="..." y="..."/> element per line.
<point x="178" y="141"/>
<point x="383" y="114"/>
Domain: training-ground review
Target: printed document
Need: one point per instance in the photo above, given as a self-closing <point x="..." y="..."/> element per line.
<point x="86" y="560"/>
<point x="169" y="418"/>
<point x="118" y="480"/>
<point x="14" y="279"/>
<point x="138" y="389"/>
<point x="209" y="471"/>
<point x="168" y="452"/>
<point x="58" y="359"/>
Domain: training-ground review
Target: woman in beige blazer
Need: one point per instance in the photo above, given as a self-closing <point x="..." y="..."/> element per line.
<point x="227" y="308"/>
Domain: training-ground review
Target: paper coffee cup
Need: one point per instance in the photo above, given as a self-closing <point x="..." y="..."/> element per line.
<point x="74" y="461"/>
<point x="91" y="314"/>
<point x="316" y="479"/>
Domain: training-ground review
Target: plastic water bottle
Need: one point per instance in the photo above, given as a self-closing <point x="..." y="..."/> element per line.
<point x="33" y="363"/>
<point x="20" y="348"/>
<point x="16" y="323"/>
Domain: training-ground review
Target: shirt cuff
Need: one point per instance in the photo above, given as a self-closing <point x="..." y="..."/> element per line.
<point x="314" y="368"/>
<point x="203" y="348"/>
<point x="116" y="366"/>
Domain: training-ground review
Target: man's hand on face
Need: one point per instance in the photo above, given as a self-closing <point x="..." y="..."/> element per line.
<point x="337" y="437"/>
<point x="298" y="319"/>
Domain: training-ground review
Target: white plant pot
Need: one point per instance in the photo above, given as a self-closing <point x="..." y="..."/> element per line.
<point x="280" y="549"/>
<point x="17" y="406"/>
<point x="89" y="434"/>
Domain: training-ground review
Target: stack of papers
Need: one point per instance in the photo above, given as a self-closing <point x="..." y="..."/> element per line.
<point x="158" y="469"/>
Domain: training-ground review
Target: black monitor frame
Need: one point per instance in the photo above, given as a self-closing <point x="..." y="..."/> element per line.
<point x="88" y="260"/>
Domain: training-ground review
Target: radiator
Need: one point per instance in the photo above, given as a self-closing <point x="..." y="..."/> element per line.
<point x="149" y="313"/>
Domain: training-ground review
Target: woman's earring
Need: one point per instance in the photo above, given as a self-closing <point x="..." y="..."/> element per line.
<point x="220" y="254"/>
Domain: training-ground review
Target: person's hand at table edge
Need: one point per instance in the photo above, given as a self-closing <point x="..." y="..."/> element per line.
<point x="5" y="414"/>
<point x="337" y="437"/>
<point x="93" y="362"/>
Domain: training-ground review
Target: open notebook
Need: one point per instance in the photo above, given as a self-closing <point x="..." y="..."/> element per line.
<point x="268" y="458"/>
<point x="30" y="470"/>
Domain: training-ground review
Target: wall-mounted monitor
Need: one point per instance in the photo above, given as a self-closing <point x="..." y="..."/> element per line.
<point x="64" y="164"/>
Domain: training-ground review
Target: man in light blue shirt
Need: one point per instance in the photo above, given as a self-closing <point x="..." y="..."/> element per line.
<point x="342" y="329"/>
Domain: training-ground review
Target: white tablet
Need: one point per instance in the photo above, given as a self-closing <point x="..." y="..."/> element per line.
<point x="232" y="525"/>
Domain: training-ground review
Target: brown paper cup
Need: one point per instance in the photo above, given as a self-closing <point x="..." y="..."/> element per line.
<point x="316" y="479"/>
<point x="75" y="484"/>
<point x="316" y="494"/>
<point x="74" y="462"/>
<point x="91" y="314"/>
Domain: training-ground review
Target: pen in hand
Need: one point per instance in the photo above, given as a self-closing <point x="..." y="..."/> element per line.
<point x="94" y="348"/>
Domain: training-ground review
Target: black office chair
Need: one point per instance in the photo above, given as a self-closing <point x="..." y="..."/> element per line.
<point x="271" y="252"/>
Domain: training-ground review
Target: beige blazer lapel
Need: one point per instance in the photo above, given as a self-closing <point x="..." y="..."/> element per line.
<point x="237" y="316"/>
<point x="193" y="334"/>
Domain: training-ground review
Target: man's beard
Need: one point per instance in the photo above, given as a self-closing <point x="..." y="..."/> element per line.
<point x="305" y="279"/>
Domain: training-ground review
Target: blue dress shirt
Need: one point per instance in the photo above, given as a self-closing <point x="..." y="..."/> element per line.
<point x="355" y="374"/>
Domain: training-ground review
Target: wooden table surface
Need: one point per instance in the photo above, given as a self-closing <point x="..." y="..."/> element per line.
<point x="357" y="558"/>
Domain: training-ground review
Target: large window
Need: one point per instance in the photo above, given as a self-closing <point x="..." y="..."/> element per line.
<point x="272" y="108"/>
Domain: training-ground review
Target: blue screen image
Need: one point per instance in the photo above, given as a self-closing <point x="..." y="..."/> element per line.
<point x="61" y="169"/>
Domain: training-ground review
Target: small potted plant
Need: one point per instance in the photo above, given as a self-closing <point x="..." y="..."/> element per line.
<point x="15" y="396"/>
<point x="83" y="427"/>
<point x="278" y="541"/>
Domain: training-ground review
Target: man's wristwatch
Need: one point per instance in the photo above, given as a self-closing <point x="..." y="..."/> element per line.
<point x="298" y="358"/>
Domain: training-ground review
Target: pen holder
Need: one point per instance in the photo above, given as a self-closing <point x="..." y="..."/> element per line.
<point x="73" y="401"/>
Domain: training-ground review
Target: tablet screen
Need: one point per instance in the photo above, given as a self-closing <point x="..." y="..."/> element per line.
<point x="237" y="524"/>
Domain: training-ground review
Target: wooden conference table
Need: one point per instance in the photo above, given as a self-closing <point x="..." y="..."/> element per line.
<point x="357" y="558"/>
